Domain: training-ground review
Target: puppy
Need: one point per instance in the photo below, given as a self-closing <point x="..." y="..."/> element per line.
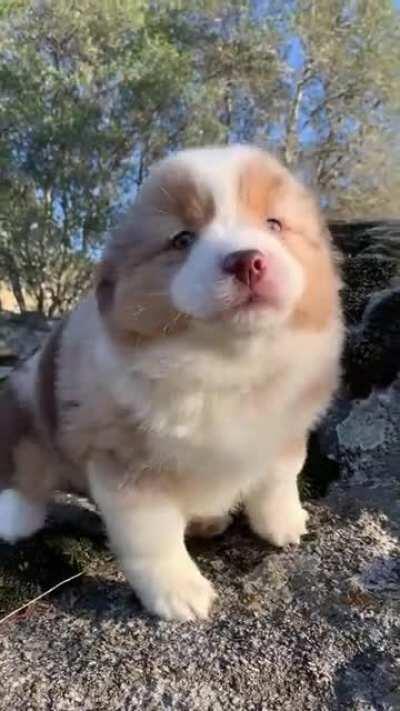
<point x="189" y="379"/>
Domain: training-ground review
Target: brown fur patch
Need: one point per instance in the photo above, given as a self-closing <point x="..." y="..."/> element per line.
<point x="132" y="283"/>
<point x="180" y="195"/>
<point x="316" y="306"/>
<point x="138" y="306"/>
<point x="170" y="201"/>
<point x="16" y="422"/>
<point x="267" y="190"/>
<point x="258" y="185"/>
<point x="47" y="381"/>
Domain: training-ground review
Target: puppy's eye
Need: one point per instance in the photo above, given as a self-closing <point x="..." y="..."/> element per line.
<point x="274" y="225"/>
<point x="183" y="240"/>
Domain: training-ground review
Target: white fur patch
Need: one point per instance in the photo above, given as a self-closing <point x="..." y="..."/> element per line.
<point x="147" y="532"/>
<point x="19" y="518"/>
<point x="274" y="509"/>
<point x="214" y="409"/>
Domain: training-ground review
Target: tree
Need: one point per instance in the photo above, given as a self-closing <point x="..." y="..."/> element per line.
<point x="342" y="120"/>
<point x="79" y="85"/>
<point x="93" y="92"/>
<point x="236" y="70"/>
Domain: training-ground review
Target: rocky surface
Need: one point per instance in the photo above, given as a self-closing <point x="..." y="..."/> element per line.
<point x="371" y="258"/>
<point x="312" y="628"/>
<point x="372" y="355"/>
<point x="21" y="335"/>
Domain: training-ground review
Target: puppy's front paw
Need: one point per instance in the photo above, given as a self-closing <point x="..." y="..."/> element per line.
<point x="174" y="592"/>
<point x="281" y="527"/>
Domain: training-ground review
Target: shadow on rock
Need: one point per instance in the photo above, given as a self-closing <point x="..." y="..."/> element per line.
<point x="369" y="680"/>
<point x="74" y="542"/>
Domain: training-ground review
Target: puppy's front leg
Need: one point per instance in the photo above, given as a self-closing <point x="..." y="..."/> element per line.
<point x="146" y="529"/>
<point x="273" y="506"/>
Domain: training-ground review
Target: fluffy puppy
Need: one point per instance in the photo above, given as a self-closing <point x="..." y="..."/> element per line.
<point x="189" y="379"/>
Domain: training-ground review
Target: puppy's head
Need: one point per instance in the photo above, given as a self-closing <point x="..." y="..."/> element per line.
<point x="224" y="237"/>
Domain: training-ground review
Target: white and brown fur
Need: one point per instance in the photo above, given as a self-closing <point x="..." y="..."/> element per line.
<point x="164" y="399"/>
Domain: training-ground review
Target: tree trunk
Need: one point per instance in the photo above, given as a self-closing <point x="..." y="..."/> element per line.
<point x="11" y="275"/>
<point x="18" y="294"/>
<point x="40" y="300"/>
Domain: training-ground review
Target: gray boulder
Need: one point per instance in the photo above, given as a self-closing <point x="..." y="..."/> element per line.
<point x="370" y="261"/>
<point x="361" y="274"/>
<point x="372" y="354"/>
<point x="21" y="335"/>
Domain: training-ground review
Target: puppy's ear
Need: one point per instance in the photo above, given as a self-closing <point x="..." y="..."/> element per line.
<point x="105" y="281"/>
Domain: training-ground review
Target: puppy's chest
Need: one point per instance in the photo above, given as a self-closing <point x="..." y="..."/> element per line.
<point x="189" y="423"/>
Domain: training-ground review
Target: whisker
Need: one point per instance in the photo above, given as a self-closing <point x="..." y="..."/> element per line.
<point x="161" y="212"/>
<point x="165" y="191"/>
<point x="172" y="322"/>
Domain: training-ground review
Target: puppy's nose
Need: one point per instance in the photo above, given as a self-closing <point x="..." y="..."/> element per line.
<point x="247" y="265"/>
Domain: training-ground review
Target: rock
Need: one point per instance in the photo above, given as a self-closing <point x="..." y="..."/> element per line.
<point x="5" y="372"/>
<point x="21" y="335"/>
<point x="372" y="353"/>
<point x="371" y="274"/>
<point x="362" y="437"/>
<point x="371" y="261"/>
<point x="363" y="275"/>
<point x="315" y="627"/>
<point x="6" y="352"/>
<point x="356" y="237"/>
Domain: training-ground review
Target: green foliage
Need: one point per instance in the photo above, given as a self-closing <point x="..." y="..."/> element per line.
<point x="92" y="92"/>
<point x="351" y="73"/>
<point x="80" y="85"/>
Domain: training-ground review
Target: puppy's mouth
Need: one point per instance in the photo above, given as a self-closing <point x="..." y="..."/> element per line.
<point x="256" y="300"/>
<point x="251" y="302"/>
